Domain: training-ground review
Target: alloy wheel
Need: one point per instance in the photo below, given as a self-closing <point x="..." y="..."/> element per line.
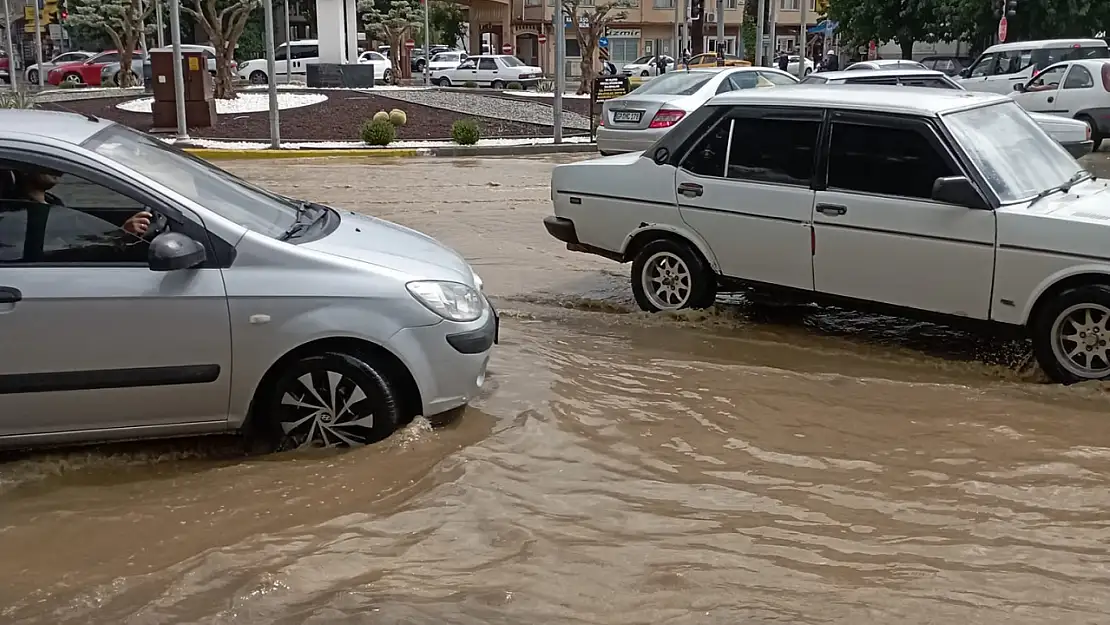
<point x="1081" y="340"/>
<point x="325" y="408"/>
<point x="667" y="281"/>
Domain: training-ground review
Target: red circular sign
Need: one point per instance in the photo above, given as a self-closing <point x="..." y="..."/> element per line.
<point x="507" y="49"/>
<point x="1003" y="26"/>
<point x="542" y="39"/>
<point x="410" y="44"/>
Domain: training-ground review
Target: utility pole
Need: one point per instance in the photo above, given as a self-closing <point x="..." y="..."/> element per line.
<point x="271" y="72"/>
<point x="427" y="42"/>
<point x="760" y="27"/>
<point x="39" y="4"/>
<point x="677" y="41"/>
<point x="11" y="53"/>
<point x="288" y="54"/>
<point x="160" y="39"/>
<point x="558" y="26"/>
<point x="178" y="70"/>
<point x="802" y="54"/>
<point x="772" y="28"/>
<point x="721" y="32"/>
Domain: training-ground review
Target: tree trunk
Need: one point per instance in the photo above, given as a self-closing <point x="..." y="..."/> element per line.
<point x="907" y="48"/>
<point x="223" y="86"/>
<point x="126" y="53"/>
<point x="587" y="66"/>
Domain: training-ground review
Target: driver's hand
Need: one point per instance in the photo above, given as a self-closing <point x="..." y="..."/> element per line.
<point x="138" y="224"/>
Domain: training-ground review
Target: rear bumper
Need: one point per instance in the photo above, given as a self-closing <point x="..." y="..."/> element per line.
<point x="611" y="141"/>
<point x="561" y="228"/>
<point x="1079" y="148"/>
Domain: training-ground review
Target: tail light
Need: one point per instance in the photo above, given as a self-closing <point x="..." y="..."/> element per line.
<point x="1106" y="76"/>
<point x="1088" y="132"/>
<point x="666" y="118"/>
<point x="601" y="119"/>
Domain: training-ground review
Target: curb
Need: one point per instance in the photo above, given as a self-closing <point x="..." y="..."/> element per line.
<point x="445" y="151"/>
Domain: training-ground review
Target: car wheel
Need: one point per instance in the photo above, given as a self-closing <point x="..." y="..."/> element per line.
<point x="33" y="76"/>
<point x="73" y="79"/>
<point x="420" y="67"/>
<point x="330" y="399"/>
<point x="808" y="71"/>
<point x="644" y="74"/>
<point x="672" y="275"/>
<point x="497" y="84"/>
<point x="1071" y="335"/>
<point x="387" y="76"/>
<point x="1096" y="137"/>
<point x="444" y="82"/>
<point x="258" y="77"/>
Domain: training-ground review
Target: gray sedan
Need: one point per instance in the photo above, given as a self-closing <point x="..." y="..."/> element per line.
<point x="147" y="293"/>
<point x="633" y="122"/>
<point x="32" y="73"/>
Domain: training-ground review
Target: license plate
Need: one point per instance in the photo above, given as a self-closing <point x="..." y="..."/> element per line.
<point x="627" y="116"/>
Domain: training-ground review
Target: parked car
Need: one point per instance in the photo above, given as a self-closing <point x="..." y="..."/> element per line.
<point x="1076" y="136"/>
<point x="493" y="70"/>
<point x="645" y="66"/>
<point x="946" y="204"/>
<point x="87" y="72"/>
<point x="418" y="59"/>
<point x="709" y="59"/>
<point x="1003" y="66"/>
<point x="295" y="322"/>
<point x="950" y="65"/>
<point x="884" y="64"/>
<point x="447" y="60"/>
<point x="294" y="55"/>
<point x="383" y="67"/>
<point x="32" y="71"/>
<point x="5" y="67"/>
<point x="635" y="121"/>
<point x="1078" y="89"/>
<point x="792" y="65"/>
<point x="110" y="72"/>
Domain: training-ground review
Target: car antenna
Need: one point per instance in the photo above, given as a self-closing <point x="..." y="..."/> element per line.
<point x="65" y="109"/>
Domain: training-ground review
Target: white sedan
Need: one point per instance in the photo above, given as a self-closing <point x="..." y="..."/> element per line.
<point x="383" y="67"/>
<point x="446" y="60"/>
<point x="937" y="203"/>
<point x="645" y="66"/>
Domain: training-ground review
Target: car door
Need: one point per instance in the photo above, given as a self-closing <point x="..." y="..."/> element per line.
<point x="304" y="55"/>
<point x="1077" y="92"/>
<point x="467" y="71"/>
<point x="878" y="235"/>
<point x="745" y="187"/>
<point x="488" y="71"/>
<point x="94" y="339"/>
<point x="978" y="73"/>
<point x="1039" y="94"/>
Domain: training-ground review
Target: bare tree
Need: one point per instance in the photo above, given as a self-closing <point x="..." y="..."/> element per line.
<point x="122" y="21"/>
<point x="223" y="22"/>
<point x="590" y="23"/>
<point x="393" y="26"/>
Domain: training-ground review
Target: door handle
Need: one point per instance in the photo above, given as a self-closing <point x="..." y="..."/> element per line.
<point x="690" y="189"/>
<point x="10" y="295"/>
<point x="832" y="210"/>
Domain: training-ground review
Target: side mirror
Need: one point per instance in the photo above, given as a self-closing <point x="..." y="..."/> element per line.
<point x="171" y="251"/>
<point x="965" y="72"/>
<point x="660" y="156"/>
<point x="1019" y="87"/>
<point x="958" y="190"/>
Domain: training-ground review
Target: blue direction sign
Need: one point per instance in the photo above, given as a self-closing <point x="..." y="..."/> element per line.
<point x="603" y="42"/>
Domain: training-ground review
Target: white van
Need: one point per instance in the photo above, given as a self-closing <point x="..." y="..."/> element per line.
<point x="1007" y="64"/>
<point x="300" y="53"/>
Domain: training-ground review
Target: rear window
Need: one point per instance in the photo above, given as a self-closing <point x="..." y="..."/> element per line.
<point x="678" y="83"/>
<point x="1048" y="56"/>
<point x="931" y="83"/>
<point x="884" y="80"/>
<point x="814" y="79"/>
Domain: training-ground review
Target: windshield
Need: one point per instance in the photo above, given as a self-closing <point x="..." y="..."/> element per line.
<point x="511" y="61"/>
<point x="1011" y="150"/>
<point x="678" y="83"/>
<point x="213" y="188"/>
<point x="643" y="59"/>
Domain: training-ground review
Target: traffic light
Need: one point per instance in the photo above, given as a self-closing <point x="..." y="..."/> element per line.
<point x="1011" y="8"/>
<point x="696" y="9"/>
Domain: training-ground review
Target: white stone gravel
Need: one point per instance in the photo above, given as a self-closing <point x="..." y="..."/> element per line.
<point x="486" y="106"/>
<point x="245" y="103"/>
<point x="217" y="144"/>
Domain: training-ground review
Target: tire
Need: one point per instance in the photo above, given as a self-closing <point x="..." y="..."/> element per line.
<point x="1096" y="136"/>
<point x="296" y="416"/>
<point x="387" y="76"/>
<point x="644" y="74"/>
<point x="693" y="284"/>
<point x="808" y="72"/>
<point x="445" y="82"/>
<point x="258" y="77"/>
<point x="1069" y="349"/>
<point x="420" y="67"/>
<point x="73" y="78"/>
<point x="33" y="76"/>
<point x="497" y="84"/>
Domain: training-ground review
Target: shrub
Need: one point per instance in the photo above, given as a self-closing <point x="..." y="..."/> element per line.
<point x="516" y="86"/>
<point x="381" y="116"/>
<point x="378" y="132"/>
<point x="545" y="86"/>
<point x="470" y="84"/>
<point x="398" y="118"/>
<point x="65" y="84"/>
<point x="465" y="132"/>
<point x="16" y="100"/>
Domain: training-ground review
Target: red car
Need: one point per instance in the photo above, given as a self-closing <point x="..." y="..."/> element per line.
<point x="5" y="67"/>
<point x="85" y="72"/>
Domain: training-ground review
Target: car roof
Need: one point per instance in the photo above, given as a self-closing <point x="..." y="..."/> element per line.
<point x="875" y="98"/>
<point x="1046" y="43"/>
<point x="69" y="127"/>
<point x="880" y="73"/>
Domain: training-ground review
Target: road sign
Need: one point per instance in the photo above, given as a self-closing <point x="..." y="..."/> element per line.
<point x="1003" y="26"/>
<point x="603" y="42"/>
<point x="542" y="39"/>
<point x="410" y="44"/>
<point x="507" y="48"/>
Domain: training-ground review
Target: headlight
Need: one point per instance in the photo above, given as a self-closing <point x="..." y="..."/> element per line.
<point x="481" y="285"/>
<point x="451" y="300"/>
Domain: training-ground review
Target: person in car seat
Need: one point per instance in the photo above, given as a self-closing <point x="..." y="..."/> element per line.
<point x="34" y="186"/>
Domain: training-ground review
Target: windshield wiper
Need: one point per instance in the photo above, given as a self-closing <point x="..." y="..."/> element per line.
<point x="1066" y="186"/>
<point x="308" y="214"/>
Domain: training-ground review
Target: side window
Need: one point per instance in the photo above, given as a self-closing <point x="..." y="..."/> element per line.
<point x="487" y="64"/>
<point x="305" y="52"/>
<point x="468" y="64"/>
<point x="884" y="160"/>
<point x="744" y="80"/>
<point x="1047" y="80"/>
<point x="707" y="158"/>
<point x="779" y="79"/>
<point x="1079" y="78"/>
<point x="985" y="66"/>
<point x="280" y="52"/>
<point x="1013" y="61"/>
<point x="773" y="150"/>
<point x="109" y="58"/>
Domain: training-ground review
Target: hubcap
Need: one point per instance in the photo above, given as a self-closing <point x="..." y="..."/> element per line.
<point x="666" y="281"/>
<point x="1081" y="340"/>
<point x="326" y="409"/>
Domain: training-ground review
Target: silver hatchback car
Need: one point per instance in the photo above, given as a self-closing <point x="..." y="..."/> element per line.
<point x="147" y="293"/>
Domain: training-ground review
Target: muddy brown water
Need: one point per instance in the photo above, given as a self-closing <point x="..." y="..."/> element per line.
<point x="733" y="466"/>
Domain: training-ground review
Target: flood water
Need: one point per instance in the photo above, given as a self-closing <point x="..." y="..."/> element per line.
<point x="742" y="465"/>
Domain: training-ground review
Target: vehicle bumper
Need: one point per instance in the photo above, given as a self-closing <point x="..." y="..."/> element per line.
<point x="448" y="360"/>
<point x="1079" y="148"/>
<point x="612" y="141"/>
<point x="1102" y="119"/>
<point x="561" y="228"/>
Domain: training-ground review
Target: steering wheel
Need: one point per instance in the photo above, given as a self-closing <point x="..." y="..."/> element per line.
<point x="159" y="223"/>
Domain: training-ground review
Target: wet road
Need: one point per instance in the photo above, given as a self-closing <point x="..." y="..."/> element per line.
<point x="732" y="466"/>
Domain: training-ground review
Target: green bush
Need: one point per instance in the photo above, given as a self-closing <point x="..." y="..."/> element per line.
<point x="516" y="86"/>
<point x="16" y="100"/>
<point x="470" y="84"/>
<point x="65" y="84"/>
<point x="465" y="132"/>
<point x="398" y="118"/>
<point x="381" y="116"/>
<point x="378" y="132"/>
